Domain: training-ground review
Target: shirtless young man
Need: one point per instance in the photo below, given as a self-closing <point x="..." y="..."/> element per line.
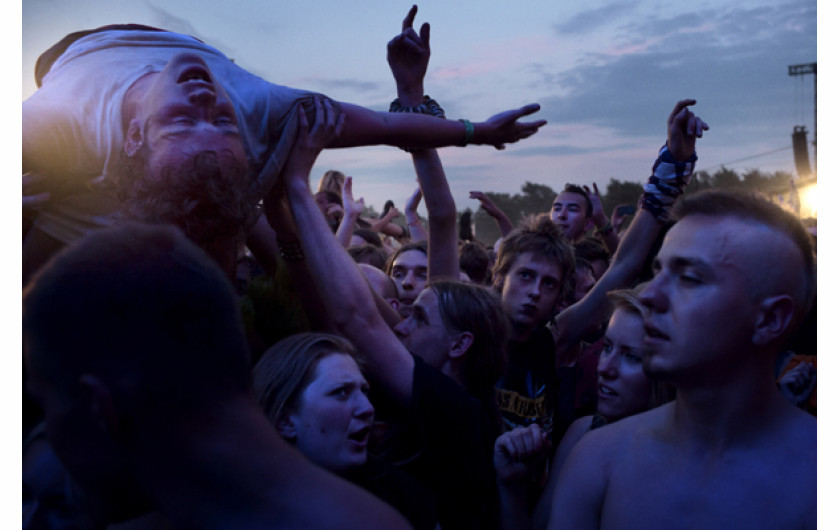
<point x="718" y="456"/>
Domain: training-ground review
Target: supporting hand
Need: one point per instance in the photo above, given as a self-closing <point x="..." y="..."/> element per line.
<point x="327" y="126"/>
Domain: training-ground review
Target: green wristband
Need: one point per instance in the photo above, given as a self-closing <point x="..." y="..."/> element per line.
<point x="468" y="133"/>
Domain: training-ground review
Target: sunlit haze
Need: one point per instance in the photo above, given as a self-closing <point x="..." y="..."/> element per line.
<point x="606" y="74"/>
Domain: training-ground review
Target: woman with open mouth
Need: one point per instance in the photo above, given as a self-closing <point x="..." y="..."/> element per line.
<point x="311" y="387"/>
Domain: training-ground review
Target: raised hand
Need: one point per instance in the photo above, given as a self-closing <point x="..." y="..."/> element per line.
<point x="311" y="140"/>
<point x="798" y="383"/>
<point x="352" y="208"/>
<point x="618" y="216"/>
<point x="488" y="205"/>
<point x="503" y="128"/>
<point x="408" y="57"/>
<point x="413" y="202"/>
<point x="520" y="453"/>
<point x="683" y="130"/>
<point x="597" y="205"/>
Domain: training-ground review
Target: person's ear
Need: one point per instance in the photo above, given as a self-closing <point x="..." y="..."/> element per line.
<point x="100" y="401"/>
<point x="774" y="317"/>
<point x="394" y="303"/>
<point x="134" y="137"/>
<point x="590" y="223"/>
<point x="460" y="344"/>
<point x="285" y="425"/>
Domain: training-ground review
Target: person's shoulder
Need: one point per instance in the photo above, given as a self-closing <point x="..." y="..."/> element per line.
<point x="796" y="428"/>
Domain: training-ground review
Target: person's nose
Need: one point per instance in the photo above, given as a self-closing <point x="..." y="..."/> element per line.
<point x="409" y="281"/>
<point x="401" y="329"/>
<point x="653" y="295"/>
<point x="607" y="365"/>
<point x="364" y="408"/>
<point x="203" y="97"/>
<point x="534" y="290"/>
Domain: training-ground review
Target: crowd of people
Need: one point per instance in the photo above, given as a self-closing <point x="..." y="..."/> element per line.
<point x="212" y="342"/>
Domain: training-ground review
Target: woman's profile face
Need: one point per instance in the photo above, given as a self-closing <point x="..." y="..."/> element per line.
<point x="333" y="418"/>
<point x="623" y="387"/>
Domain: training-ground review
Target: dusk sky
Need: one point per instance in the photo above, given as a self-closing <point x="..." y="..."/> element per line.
<point x="606" y="74"/>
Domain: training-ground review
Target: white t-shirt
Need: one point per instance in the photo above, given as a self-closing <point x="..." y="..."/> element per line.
<point x="73" y="131"/>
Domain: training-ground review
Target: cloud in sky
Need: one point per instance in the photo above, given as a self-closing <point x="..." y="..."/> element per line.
<point x="726" y="59"/>
<point x="606" y="73"/>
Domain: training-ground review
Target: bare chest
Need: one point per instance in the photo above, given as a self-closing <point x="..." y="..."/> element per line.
<point x="742" y="490"/>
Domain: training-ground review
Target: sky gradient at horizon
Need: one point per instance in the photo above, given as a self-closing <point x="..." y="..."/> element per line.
<point x="606" y="73"/>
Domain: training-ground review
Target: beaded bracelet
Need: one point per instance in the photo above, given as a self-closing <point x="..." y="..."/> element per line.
<point x="429" y="106"/>
<point x="290" y="251"/>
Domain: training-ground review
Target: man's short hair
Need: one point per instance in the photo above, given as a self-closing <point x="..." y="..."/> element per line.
<point x="207" y="196"/>
<point x="467" y="307"/>
<point x="474" y="259"/>
<point x="368" y="235"/>
<point x="421" y="246"/>
<point x="138" y="303"/>
<point x="591" y="249"/>
<point x="368" y="254"/>
<point x="755" y="208"/>
<point x="574" y="188"/>
<point x="540" y="236"/>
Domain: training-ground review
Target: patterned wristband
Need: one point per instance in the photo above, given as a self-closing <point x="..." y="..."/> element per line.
<point x="429" y="106"/>
<point x="468" y="133"/>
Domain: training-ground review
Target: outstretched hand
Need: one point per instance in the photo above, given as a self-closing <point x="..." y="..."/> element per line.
<point x="683" y="130"/>
<point x="408" y="56"/>
<point x="503" y="128"/>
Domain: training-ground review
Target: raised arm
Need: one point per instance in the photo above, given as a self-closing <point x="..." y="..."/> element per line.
<point x="603" y="226"/>
<point x="341" y="285"/>
<point x="408" y="58"/>
<point x="412" y="219"/>
<point x="352" y="210"/>
<point x="671" y="174"/>
<point x="502" y="220"/>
